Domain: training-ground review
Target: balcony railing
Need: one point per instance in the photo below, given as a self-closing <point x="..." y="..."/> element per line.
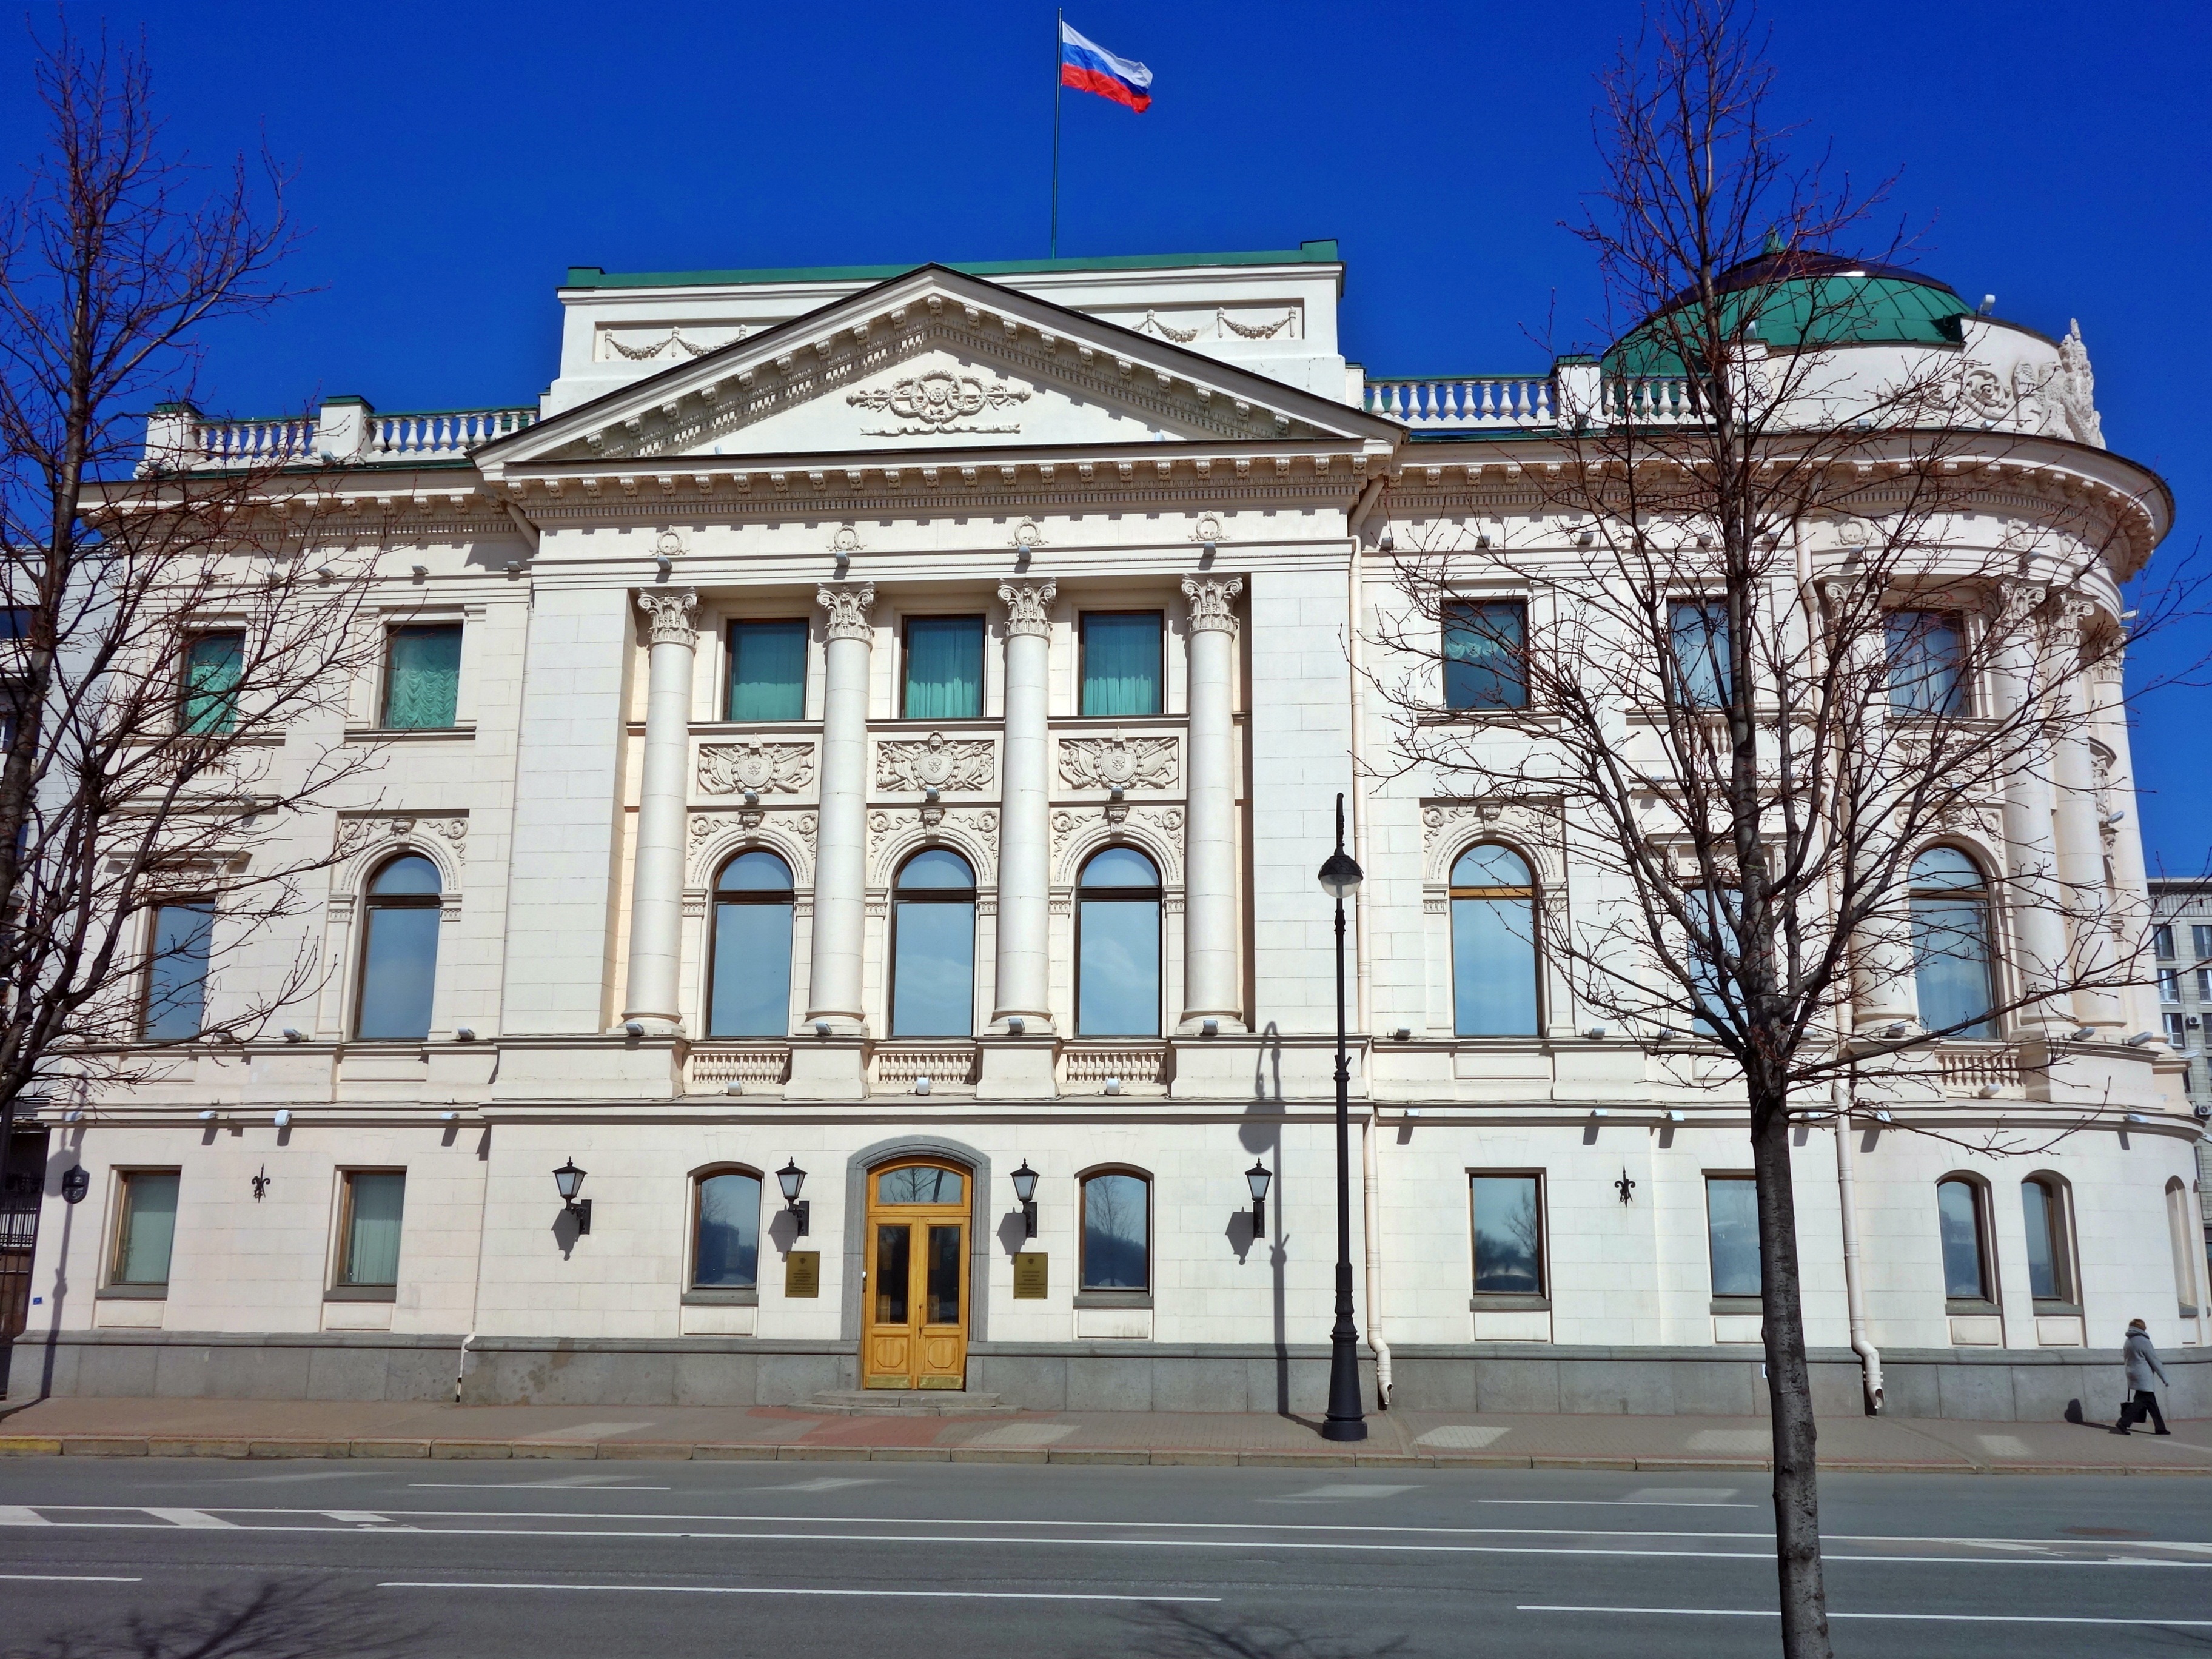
<point x="1984" y="1074"/>
<point x="345" y="432"/>
<point x="1575" y="392"/>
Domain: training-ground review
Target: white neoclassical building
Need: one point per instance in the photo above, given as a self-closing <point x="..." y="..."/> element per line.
<point x="873" y="732"/>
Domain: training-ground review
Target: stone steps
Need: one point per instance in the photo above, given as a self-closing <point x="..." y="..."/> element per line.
<point x="908" y="1402"/>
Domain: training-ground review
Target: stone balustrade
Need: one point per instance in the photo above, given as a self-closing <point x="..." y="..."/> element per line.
<point x="344" y="431"/>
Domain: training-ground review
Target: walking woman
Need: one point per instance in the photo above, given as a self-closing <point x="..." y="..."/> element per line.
<point x="2142" y="1365"/>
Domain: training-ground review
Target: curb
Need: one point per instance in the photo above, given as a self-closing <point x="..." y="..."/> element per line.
<point x="99" y="1446"/>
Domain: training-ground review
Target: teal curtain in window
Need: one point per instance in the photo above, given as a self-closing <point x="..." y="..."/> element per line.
<point x="768" y="671"/>
<point x="373" y="1229"/>
<point x="1485" y="648"/>
<point x="944" y="668"/>
<point x="176" y="978"/>
<point x="149" y="1228"/>
<point x="422" y="685"/>
<point x="214" y="665"/>
<point x="1121" y="664"/>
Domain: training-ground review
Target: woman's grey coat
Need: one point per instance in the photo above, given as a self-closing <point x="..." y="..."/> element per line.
<point x="2142" y="1361"/>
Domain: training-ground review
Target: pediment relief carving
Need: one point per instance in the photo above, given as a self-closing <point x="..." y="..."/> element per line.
<point x="862" y="360"/>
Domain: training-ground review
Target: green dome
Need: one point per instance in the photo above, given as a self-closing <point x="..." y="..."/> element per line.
<point x="1795" y="299"/>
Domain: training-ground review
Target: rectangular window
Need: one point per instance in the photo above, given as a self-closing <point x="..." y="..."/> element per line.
<point x="1699" y="633"/>
<point x="15" y="621"/>
<point x="214" y="665"/>
<point x="1959" y="1218"/>
<point x="2169" y="985"/>
<point x="2204" y="984"/>
<point x="944" y="668"/>
<point x="145" y="1227"/>
<point x="2200" y="943"/>
<point x="368" y="1228"/>
<point x="1121" y="659"/>
<point x="176" y="970"/>
<point x="1927" y="652"/>
<point x="1486" y="654"/>
<point x="2161" y="943"/>
<point x="423" y="678"/>
<point x="767" y="669"/>
<point x="2177" y="1033"/>
<point x="1732" y="1231"/>
<point x="1508" y="1235"/>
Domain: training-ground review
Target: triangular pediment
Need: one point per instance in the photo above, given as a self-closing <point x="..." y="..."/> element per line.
<point x="934" y="359"/>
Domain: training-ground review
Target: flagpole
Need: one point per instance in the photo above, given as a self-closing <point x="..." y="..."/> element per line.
<point x="1057" y="24"/>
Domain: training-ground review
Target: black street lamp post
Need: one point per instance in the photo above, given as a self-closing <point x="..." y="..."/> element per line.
<point x="1339" y="880"/>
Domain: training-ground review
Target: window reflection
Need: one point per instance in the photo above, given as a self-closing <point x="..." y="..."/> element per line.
<point x="1116" y="1233"/>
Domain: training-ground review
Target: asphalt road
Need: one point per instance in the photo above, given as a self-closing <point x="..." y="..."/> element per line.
<point x="282" y="1561"/>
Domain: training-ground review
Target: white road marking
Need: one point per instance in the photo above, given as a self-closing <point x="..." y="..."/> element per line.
<point x="1180" y="1526"/>
<point x="360" y="1518"/>
<point x="1685" y="1496"/>
<point x="1618" y="1502"/>
<point x="65" y="1578"/>
<point x="22" y="1515"/>
<point x="827" y="1483"/>
<point x="1927" y="1618"/>
<point x="1463" y="1437"/>
<point x="570" y="1482"/>
<point x="751" y="1589"/>
<point x="586" y="1431"/>
<point x="1021" y="1435"/>
<point x="1336" y="1494"/>
<point x="196" y="1518"/>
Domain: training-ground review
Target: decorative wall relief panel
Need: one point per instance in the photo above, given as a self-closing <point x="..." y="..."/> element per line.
<point x="1118" y="763"/>
<point x="760" y="769"/>
<point x="937" y="762"/>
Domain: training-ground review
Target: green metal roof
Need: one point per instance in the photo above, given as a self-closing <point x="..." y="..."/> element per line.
<point x="1800" y="299"/>
<point x="1306" y="253"/>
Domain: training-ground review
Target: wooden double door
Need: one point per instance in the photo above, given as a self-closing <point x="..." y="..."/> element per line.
<point x="916" y="1330"/>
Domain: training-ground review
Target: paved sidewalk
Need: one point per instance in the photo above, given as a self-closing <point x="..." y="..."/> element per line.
<point x="234" y="1428"/>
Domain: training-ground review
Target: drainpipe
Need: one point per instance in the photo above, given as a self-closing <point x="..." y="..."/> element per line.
<point x="1371" y="1226"/>
<point x="1854" y="1294"/>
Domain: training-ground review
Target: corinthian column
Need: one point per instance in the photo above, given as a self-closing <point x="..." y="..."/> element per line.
<point x="1210" y="984"/>
<point x="1024" y="841"/>
<point x="2080" y="843"/>
<point x="840" y="848"/>
<point x="2031" y="889"/>
<point x="656" y="902"/>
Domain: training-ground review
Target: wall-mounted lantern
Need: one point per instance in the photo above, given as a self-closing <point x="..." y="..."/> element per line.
<point x="791" y="1178"/>
<point x="569" y="1181"/>
<point x="1257" y="1178"/>
<point x="1025" y="1180"/>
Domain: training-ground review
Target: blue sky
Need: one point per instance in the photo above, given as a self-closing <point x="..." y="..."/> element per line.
<point x="453" y="159"/>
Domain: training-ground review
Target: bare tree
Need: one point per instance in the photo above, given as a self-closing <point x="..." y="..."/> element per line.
<point x="1768" y="656"/>
<point x="168" y="619"/>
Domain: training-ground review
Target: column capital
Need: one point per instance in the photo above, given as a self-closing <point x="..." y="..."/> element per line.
<point x="848" y="605"/>
<point x="668" y="613"/>
<point x="2013" y="601"/>
<point x="1028" y="607"/>
<point x="1210" y="596"/>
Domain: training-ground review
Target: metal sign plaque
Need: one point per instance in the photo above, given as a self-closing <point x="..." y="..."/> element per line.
<point x="802" y="1273"/>
<point x="1031" y="1276"/>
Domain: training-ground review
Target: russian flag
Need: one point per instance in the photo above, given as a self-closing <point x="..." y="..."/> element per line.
<point x="1093" y="69"/>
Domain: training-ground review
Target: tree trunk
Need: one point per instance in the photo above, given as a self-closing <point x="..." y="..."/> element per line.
<point x="1788" y="1391"/>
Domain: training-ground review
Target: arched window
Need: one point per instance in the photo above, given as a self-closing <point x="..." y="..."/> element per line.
<point x="2182" y="1234"/>
<point x="2050" y="1240"/>
<point x="1951" y="944"/>
<point x="750" y="987"/>
<point x="1962" y="1217"/>
<point x="1117" y="1231"/>
<point x="934" y="946"/>
<point x="726" y="1231"/>
<point x="1493" y="922"/>
<point x="1117" y="946"/>
<point x="399" y="951"/>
